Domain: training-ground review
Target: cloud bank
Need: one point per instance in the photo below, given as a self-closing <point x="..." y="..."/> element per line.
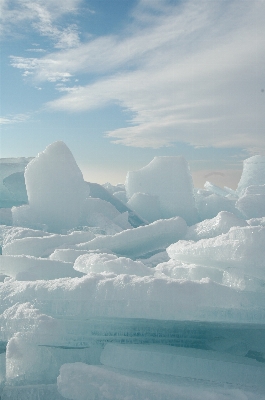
<point x="188" y="72"/>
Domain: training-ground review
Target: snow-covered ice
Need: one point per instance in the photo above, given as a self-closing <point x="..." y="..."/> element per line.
<point x="145" y="290"/>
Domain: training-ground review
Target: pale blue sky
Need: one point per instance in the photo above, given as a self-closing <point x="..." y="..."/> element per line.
<point x="121" y="81"/>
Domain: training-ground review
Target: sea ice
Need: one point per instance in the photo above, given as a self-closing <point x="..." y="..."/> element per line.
<point x="210" y="204"/>
<point x="87" y="281"/>
<point x="253" y="173"/>
<point x="44" y="246"/>
<point x="214" y="227"/>
<point x="170" y="180"/>
<point x="28" y="268"/>
<point x="102" y="214"/>
<point x="102" y="262"/>
<point x="142" y="240"/>
<point x="55" y="188"/>
<point x="130" y="296"/>
<point x="252" y="202"/>
<point x="9" y="166"/>
<point x="146" y="205"/>
<point x="184" y="362"/>
<point x="241" y="248"/>
<point x="79" y="381"/>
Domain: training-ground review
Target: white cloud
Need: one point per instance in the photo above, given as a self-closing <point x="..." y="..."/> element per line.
<point x="42" y="14"/>
<point x="13" y="119"/>
<point x="190" y="72"/>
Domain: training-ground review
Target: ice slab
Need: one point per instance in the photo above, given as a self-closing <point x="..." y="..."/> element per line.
<point x="178" y="270"/>
<point x="241" y="248"/>
<point x="256" y="221"/>
<point x="81" y="382"/>
<point x="28" y="268"/>
<point x="129" y="296"/>
<point x="170" y="180"/>
<point x="210" y="204"/>
<point x="67" y="255"/>
<point x="101" y="213"/>
<point x="253" y="173"/>
<point x="55" y="187"/>
<point x="9" y="166"/>
<point x="15" y="183"/>
<point x="216" y="189"/>
<point x="121" y="195"/>
<point x="214" y="227"/>
<point x="251" y="205"/>
<point x="6" y="216"/>
<point x="102" y="262"/>
<point x="188" y="363"/>
<point x="146" y="205"/>
<point x="155" y="259"/>
<point x="8" y="234"/>
<point x="44" y="246"/>
<point x="141" y="240"/>
<point x="31" y="392"/>
<point x="98" y="191"/>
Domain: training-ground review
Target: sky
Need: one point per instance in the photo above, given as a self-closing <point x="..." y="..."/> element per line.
<point x="123" y="81"/>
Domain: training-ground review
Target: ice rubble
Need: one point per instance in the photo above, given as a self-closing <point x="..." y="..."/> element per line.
<point x="152" y="290"/>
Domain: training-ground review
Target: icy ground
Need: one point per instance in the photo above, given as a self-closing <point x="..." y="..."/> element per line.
<point x="151" y="290"/>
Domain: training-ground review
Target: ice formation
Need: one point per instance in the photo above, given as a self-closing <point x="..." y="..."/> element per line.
<point x="170" y="180"/>
<point x="53" y="203"/>
<point x="148" y="290"/>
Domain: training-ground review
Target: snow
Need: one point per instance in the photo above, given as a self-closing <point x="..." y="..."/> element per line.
<point x="148" y="290"/>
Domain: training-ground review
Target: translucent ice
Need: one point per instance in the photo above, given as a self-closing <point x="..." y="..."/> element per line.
<point x="55" y="187"/>
<point x="170" y="180"/>
<point x="241" y="248"/>
<point x="189" y="363"/>
<point x="130" y="296"/>
<point x="9" y="166"/>
<point x="252" y="202"/>
<point x="110" y="263"/>
<point x="253" y="173"/>
<point x="79" y="381"/>
<point x="214" y="227"/>
<point x="210" y="204"/>
<point x="141" y="240"/>
<point x="15" y="183"/>
<point x="101" y="213"/>
<point x="146" y="205"/>
<point x="44" y="246"/>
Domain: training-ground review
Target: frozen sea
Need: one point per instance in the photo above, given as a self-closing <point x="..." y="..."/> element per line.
<point x="148" y="290"/>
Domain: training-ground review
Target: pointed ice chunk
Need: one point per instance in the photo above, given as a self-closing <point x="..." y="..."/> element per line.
<point x="253" y="173"/>
<point x="55" y="187"/>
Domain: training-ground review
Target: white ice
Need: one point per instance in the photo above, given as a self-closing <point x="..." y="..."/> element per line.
<point x="55" y="188"/>
<point x="112" y="292"/>
<point x="170" y="180"/>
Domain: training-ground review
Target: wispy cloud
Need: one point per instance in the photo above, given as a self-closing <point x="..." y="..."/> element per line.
<point x="43" y="15"/>
<point x="188" y="72"/>
<point x="13" y="119"/>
